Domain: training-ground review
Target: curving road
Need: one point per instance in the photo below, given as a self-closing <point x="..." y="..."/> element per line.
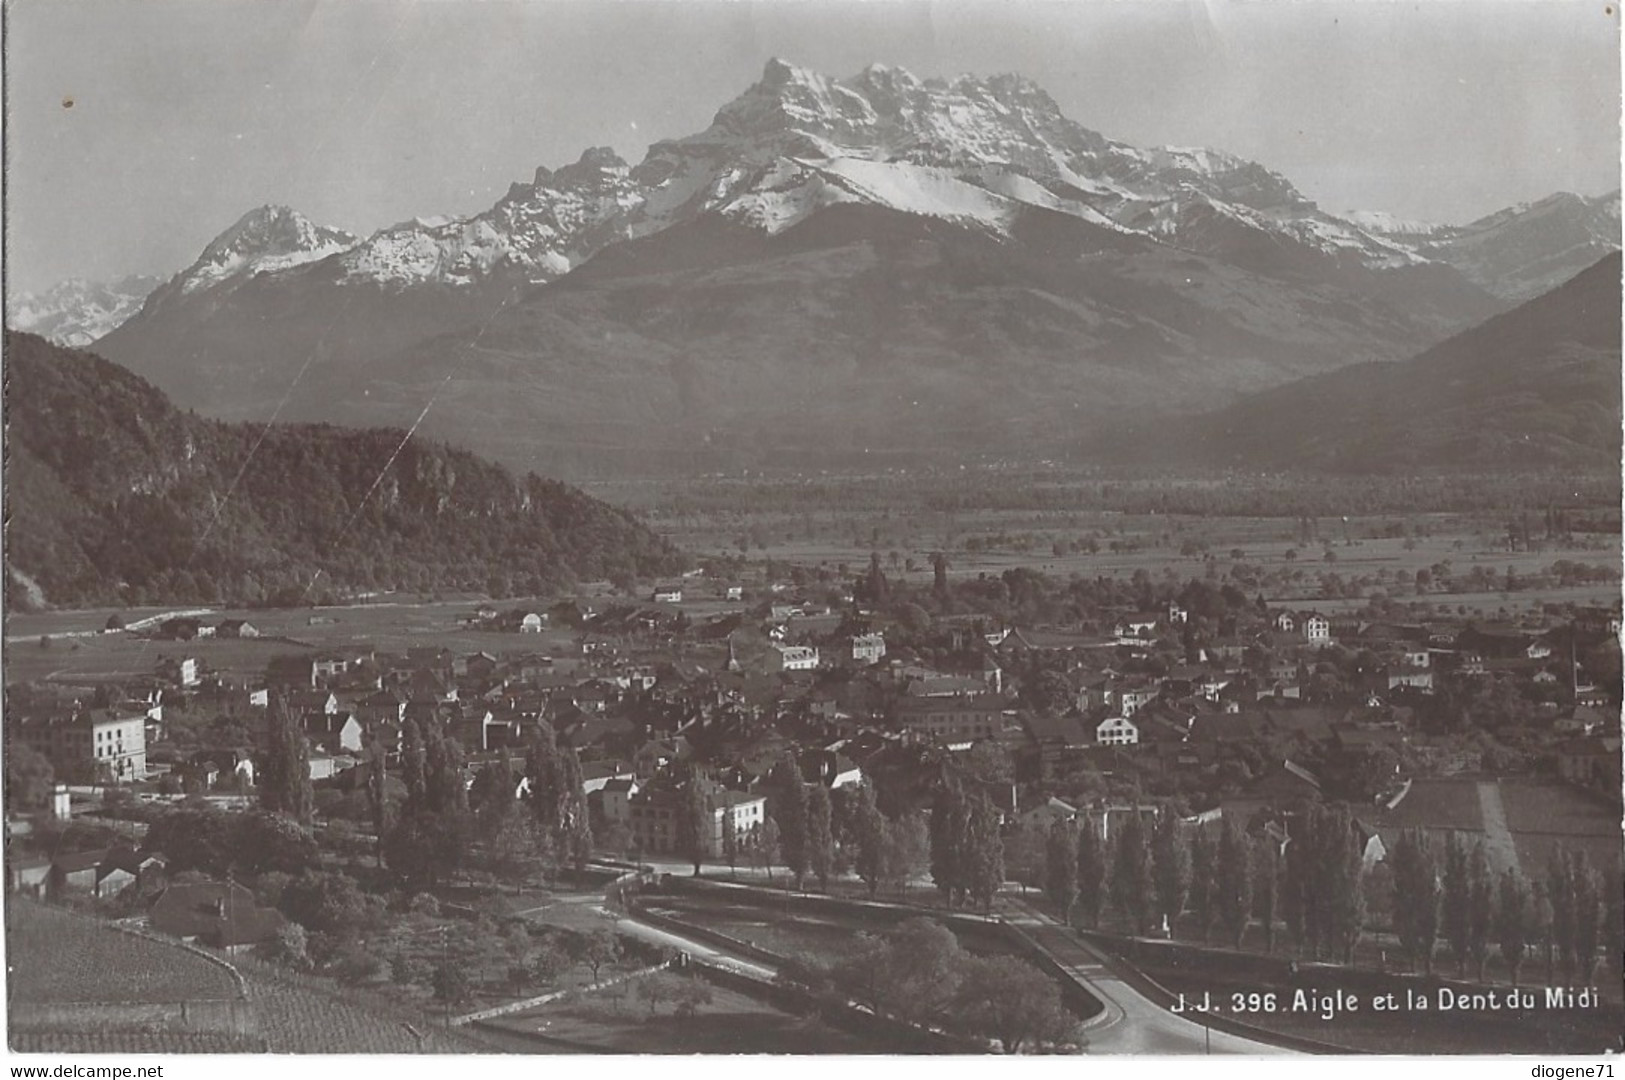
<point x="1131" y="1023"/>
<point x="629" y="925"/>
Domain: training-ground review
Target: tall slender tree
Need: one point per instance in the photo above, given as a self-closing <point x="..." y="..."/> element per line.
<point x="1586" y="889"/>
<point x="694" y="818"/>
<point x="907" y="850"/>
<point x="1343" y="881"/>
<point x="412" y="765"/>
<point x="1061" y="867"/>
<point x="869" y="825"/>
<point x="575" y="825"/>
<point x="1092" y="871"/>
<point x="1266" y="888"/>
<point x="1541" y="920"/>
<point x="375" y="763"/>
<point x="1514" y="922"/>
<point x="1480" y="908"/>
<point x="949" y="814"/>
<point x="820" y="834"/>
<point x="446" y="789"/>
<point x="1233" y="883"/>
<point x="788" y="805"/>
<point x="545" y="772"/>
<point x="1416" y="896"/>
<point x="285" y="780"/>
<point x="875" y="585"/>
<point x="1560" y="894"/>
<point x="1201" y="898"/>
<point x="493" y="798"/>
<point x="764" y="848"/>
<point x="983" y="852"/>
<point x="1170" y="869"/>
<point x="1455" y="915"/>
<point x="1131" y="874"/>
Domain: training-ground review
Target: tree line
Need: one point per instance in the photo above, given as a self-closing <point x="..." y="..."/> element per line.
<point x="1315" y="884"/>
<point x="122" y="498"/>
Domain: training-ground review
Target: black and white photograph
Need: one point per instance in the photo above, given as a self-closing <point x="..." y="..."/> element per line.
<point x="848" y="528"/>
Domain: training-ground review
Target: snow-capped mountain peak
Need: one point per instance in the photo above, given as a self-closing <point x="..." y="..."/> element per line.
<point x="77" y="312"/>
<point x="1382" y="223"/>
<point x="266" y="239"/>
<point x="981" y="151"/>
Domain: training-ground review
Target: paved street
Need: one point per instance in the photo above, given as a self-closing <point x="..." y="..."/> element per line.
<point x="1131" y="1023"/>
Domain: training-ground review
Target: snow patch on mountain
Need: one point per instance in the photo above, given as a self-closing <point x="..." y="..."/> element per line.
<point x="971" y="150"/>
<point x="918" y="190"/>
<point x="77" y="312"/>
<point x="264" y="240"/>
<point x="1382" y="223"/>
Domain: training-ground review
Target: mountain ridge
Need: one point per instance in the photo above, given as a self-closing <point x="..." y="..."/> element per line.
<point x="1094" y="239"/>
<point x="1534" y="387"/>
<point x="116" y="496"/>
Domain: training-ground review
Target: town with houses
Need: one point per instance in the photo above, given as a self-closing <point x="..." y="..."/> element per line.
<point x="824" y="582"/>
<point x="680" y="736"/>
<point x="1258" y="707"/>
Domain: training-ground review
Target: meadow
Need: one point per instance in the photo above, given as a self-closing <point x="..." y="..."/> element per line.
<point x="77" y="648"/>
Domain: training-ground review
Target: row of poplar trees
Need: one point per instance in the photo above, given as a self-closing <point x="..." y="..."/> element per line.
<point x="1448" y="894"/>
<point x="1208" y="879"/>
<point x="961" y="845"/>
<point x="1152" y="873"/>
<point x="802" y="820"/>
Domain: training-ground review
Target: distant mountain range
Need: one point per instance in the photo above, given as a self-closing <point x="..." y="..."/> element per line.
<point x="1535" y="388"/>
<point x="77" y="312"/>
<point x="878" y="266"/>
<point x="114" y="495"/>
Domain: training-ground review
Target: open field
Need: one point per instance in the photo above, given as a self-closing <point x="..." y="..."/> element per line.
<point x="96" y="656"/>
<point x="1537" y="818"/>
<point x="57" y="956"/>
<point x="1066" y="520"/>
<point x="1156" y="544"/>
<point x="1557" y="808"/>
<point x="1443" y="804"/>
<point x="309" y="1015"/>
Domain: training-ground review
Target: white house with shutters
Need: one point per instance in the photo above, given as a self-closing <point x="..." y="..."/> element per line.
<point x="1117" y="731"/>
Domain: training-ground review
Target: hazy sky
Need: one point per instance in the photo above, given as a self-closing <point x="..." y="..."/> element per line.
<point x="187" y="113"/>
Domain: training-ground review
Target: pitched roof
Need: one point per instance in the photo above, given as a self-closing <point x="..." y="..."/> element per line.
<point x="1301" y="773"/>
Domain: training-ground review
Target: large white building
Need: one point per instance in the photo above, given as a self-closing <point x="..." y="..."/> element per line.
<point x="655" y="817"/>
<point x="96" y="744"/>
<point x="796" y="657"/>
<point x="1117" y="731"/>
<point x="867" y="648"/>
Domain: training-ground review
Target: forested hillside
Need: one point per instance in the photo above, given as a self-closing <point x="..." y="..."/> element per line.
<point x="114" y="495"/>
